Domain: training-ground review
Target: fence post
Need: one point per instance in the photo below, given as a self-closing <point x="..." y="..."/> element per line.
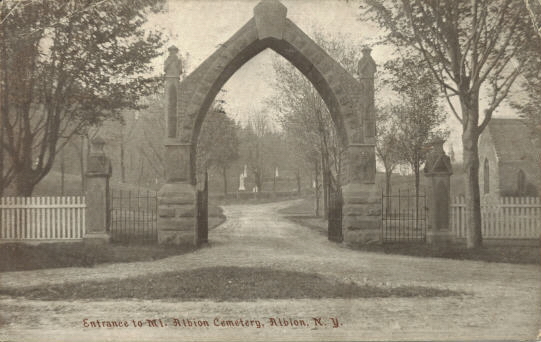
<point x="438" y="169"/>
<point x="97" y="197"/>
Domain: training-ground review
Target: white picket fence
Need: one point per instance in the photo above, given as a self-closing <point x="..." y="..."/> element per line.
<point x="42" y="218"/>
<point x="504" y="218"/>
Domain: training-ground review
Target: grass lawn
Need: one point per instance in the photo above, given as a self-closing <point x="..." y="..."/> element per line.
<point x="223" y="284"/>
<point x="20" y="257"/>
<point x="302" y="213"/>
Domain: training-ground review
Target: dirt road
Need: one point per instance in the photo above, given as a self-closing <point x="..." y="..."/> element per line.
<point x="505" y="300"/>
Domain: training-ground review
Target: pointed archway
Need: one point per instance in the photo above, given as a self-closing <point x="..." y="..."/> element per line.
<point x="350" y="102"/>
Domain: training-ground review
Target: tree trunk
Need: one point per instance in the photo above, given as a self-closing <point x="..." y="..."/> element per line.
<point x="3" y="91"/>
<point x="224" y="174"/>
<point x="298" y="178"/>
<point x="388" y="187"/>
<point x="316" y="187"/>
<point x="416" y="171"/>
<point x="140" y="177"/>
<point x="62" y="173"/>
<point x="324" y="177"/>
<point x="24" y="184"/>
<point x="257" y="181"/>
<point x="1" y="156"/>
<point x="82" y="164"/>
<point x="122" y="166"/>
<point x="470" y="139"/>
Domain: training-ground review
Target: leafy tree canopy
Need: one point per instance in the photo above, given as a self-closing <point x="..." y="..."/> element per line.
<point x="66" y="65"/>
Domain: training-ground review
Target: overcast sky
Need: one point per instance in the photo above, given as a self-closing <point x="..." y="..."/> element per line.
<point x="198" y="27"/>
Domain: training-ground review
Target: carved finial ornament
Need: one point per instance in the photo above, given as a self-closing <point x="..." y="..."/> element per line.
<point x="173" y="65"/>
<point x="367" y="66"/>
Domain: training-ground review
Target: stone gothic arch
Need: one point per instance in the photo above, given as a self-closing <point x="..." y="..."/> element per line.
<point x="350" y="102"/>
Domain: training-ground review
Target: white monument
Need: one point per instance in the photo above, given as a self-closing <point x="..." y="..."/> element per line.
<point x="242" y="178"/>
<point x="241" y="182"/>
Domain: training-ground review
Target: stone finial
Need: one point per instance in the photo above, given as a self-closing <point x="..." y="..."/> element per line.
<point x="173" y="65"/>
<point x="270" y="18"/>
<point x="437" y="162"/>
<point x="367" y="66"/>
<point x="96" y="145"/>
<point x="97" y="161"/>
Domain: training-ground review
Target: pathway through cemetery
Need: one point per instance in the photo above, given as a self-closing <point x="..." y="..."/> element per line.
<point x="503" y="300"/>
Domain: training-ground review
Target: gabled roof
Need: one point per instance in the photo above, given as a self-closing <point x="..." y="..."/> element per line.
<point x="512" y="139"/>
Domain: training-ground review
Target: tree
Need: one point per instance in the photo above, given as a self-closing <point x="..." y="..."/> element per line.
<point x="151" y="145"/>
<point x="387" y="142"/>
<point x="305" y="116"/>
<point x="65" y="66"/>
<point x="419" y="116"/>
<point x="218" y="145"/>
<point x="529" y="101"/>
<point x="469" y="46"/>
<point x="256" y="136"/>
<point x="534" y="10"/>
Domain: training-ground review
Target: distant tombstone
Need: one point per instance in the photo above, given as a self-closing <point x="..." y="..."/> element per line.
<point x="241" y="182"/>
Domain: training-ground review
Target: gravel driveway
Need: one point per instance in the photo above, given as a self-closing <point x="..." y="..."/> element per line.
<point x="503" y="300"/>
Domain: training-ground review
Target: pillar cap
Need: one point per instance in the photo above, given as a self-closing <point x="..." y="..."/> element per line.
<point x="367" y="66"/>
<point x="97" y="144"/>
<point x="437" y="162"/>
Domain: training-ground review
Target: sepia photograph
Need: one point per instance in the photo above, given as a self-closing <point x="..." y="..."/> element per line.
<point x="270" y="170"/>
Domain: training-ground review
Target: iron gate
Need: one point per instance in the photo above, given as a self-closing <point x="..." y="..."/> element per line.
<point x="335" y="210"/>
<point x="404" y="217"/>
<point x="133" y="216"/>
<point x="202" y="205"/>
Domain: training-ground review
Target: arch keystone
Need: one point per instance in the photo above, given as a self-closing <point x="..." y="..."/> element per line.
<point x="270" y="19"/>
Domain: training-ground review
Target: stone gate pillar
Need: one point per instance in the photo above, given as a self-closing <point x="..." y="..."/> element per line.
<point x="97" y="193"/>
<point x="438" y="170"/>
<point x="176" y="199"/>
<point x="362" y="202"/>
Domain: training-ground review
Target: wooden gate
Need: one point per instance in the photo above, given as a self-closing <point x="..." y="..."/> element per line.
<point x="202" y="205"/>
<point x="335" y="210"/>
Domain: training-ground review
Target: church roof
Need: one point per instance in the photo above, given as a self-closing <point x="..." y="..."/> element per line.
<point x="512" y="139"/>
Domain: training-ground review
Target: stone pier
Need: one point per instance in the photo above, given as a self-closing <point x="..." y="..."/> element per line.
<point x="361" y="221"/>
<point x="97" y="193"/>
<point x="438" y="170"/>
<point x="176" y="199"/>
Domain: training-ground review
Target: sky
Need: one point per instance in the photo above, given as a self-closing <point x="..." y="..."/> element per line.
<point x="198" y="27"/>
